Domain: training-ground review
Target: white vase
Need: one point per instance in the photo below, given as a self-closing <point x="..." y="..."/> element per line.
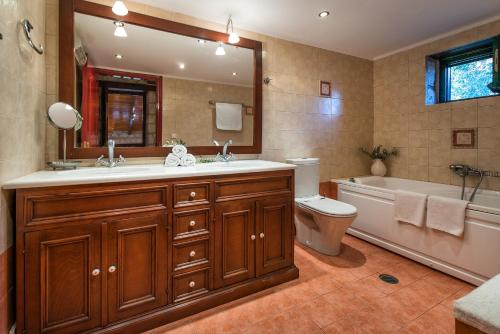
<point x="378" y="168"/>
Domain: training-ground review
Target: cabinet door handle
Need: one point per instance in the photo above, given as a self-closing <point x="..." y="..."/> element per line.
<point x="192" y="253"/>
<point x="252" y="237"/>
<point x="192" y="223"/>
<point x="192" y="284"/>
<point x="192" y="194"/>
<point x="112" y="269"/>
<point x="96" y="272"/>
<point x="261" y="235"/>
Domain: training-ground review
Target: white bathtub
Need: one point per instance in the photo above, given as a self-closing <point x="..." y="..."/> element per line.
<point x="474" y="257"/>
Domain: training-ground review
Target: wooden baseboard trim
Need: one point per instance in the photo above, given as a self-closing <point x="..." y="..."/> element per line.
<point x="172" y="313"/>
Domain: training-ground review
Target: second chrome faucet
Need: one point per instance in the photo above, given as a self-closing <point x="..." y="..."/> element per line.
<point x="224" y="156"/>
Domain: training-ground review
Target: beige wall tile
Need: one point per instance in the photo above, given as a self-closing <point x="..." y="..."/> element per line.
<point x="430" y="126"/>
<point x="489" y="137"/>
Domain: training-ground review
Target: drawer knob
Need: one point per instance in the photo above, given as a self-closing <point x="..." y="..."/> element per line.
<point x="261" y="235"/>
<point x="192" y="284"/>
<point x="192" y="253"/>
<point x="112" y="269"/>
<point x="252" y="237"/>
<point x="192" y="194"/>
<point x="96" y="272"/>
<point x="192" y="223"/>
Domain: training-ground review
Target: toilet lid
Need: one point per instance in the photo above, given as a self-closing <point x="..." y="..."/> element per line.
<point x="327" y="206"/>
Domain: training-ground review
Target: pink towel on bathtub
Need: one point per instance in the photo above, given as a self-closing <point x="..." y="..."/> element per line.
<point x="446" y="214"/>
<point x="410" y="207"/>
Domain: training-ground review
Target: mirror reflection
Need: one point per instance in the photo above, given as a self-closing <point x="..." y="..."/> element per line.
<point x="144" y="87"/>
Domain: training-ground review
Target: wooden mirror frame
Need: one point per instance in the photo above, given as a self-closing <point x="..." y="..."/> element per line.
<point x="67" y="8"/>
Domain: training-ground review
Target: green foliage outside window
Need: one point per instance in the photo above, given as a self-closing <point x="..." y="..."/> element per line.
<point x="471" y="79"/>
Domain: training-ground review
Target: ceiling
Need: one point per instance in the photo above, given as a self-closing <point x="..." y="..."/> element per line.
<point x="158" y="52"/>
<point x="363" y="28"/>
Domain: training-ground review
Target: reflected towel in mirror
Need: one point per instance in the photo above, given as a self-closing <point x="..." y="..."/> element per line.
<point x="228" y="116"/>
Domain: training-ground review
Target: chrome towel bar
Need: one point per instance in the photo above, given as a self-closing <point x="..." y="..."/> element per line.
<point x="27" y="27"/>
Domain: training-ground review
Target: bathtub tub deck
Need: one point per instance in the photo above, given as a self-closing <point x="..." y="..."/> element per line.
<point x="474" y="257"/>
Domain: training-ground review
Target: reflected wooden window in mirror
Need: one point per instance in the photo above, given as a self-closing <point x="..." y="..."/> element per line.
<point x="121" y="106"/>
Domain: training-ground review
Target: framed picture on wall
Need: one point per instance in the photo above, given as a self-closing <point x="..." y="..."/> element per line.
<point x="464" y="138"/>
<point x="325" y="88"/>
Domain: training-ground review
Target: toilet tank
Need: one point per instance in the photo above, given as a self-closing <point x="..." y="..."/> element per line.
<point x="306" y="176"/>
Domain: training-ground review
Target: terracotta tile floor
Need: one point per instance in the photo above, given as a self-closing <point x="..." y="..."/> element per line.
<point x="340" y="295"/>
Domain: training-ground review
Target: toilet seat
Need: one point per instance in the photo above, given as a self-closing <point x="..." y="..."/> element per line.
<point x="327" y="206"/>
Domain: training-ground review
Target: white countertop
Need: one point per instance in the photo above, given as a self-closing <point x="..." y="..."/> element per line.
<point x="89" y="175"/>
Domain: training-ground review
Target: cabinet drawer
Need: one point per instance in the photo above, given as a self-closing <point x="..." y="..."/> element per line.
<point x="66" y="205"/>
<point x="245" y="187"/>
<point x="190" y="285"/>
<point x="190" y="254"/>
<point x="191" y="223"/>
<point x="190" y="194"/>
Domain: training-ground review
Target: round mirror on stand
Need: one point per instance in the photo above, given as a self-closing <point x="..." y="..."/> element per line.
<point x="64" y="117"/>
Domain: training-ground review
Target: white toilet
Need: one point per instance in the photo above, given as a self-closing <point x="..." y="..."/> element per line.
<point x="320" y="222"/>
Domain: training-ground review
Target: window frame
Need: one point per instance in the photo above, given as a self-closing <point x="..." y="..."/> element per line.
<point x="473" y="52"/>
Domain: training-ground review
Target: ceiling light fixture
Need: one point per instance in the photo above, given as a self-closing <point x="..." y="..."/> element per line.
<point x="323" y="14"/>
<point x="235" y="74"/>
<point x="119" y="8"/>
<point x="233" y="37"/>
<point x="120" y="29"/>
<point x="220" y="50"/>
<point x="118" y="56"/>
<point x="182" y="66"/>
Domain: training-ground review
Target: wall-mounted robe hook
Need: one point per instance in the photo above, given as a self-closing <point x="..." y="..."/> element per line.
<point x="27" y="27"/>
<point x="267" y="80"/>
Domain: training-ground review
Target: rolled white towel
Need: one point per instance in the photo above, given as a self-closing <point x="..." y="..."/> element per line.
<point x="179" y="150"/>
<point x="188" y="160"/>
<point x="172" y="160"/>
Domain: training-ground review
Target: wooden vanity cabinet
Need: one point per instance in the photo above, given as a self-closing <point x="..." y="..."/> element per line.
<point x="63" y="284"/>
<point x="124" y="258"/>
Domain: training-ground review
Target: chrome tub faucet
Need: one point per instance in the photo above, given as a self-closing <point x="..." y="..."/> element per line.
<point x="463" y="171"/>
<point x="111" y="161"/>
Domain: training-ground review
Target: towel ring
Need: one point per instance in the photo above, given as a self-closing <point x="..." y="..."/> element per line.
<point x="27" y="27"/>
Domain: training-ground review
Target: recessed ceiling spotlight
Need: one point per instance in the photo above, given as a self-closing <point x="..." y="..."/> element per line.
<point x="182" y="66"/>
<point x="119" y="8"/>
<point x="324" y="14"/>
<point x="235" y="74"/>
<point x="120" y="29"/>
<point x="201" y="41"/>
<point x="118" y="56"/>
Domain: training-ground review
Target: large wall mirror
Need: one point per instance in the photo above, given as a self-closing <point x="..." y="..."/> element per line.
<point x="147" y="83"/>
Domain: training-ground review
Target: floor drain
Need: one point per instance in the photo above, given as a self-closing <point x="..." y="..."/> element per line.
<point x="388" y="278"/>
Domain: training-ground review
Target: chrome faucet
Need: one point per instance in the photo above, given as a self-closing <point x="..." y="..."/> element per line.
<point x="111" y="161"/>
<point x="464" y="171"/>
<point x="225" y="157"/>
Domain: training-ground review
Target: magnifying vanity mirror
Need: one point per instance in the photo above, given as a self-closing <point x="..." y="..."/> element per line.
<point x="147" y="83"/>
<point x="64" y="117"/>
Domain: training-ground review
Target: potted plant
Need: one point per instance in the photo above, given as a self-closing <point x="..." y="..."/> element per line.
<point x="378" y="155"/>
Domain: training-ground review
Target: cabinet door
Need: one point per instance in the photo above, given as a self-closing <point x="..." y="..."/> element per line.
<point x="234" y="240"/>
<point x="274" y="234"/>
<point x="63" y="279"/>
<point x="136" y="265"/>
